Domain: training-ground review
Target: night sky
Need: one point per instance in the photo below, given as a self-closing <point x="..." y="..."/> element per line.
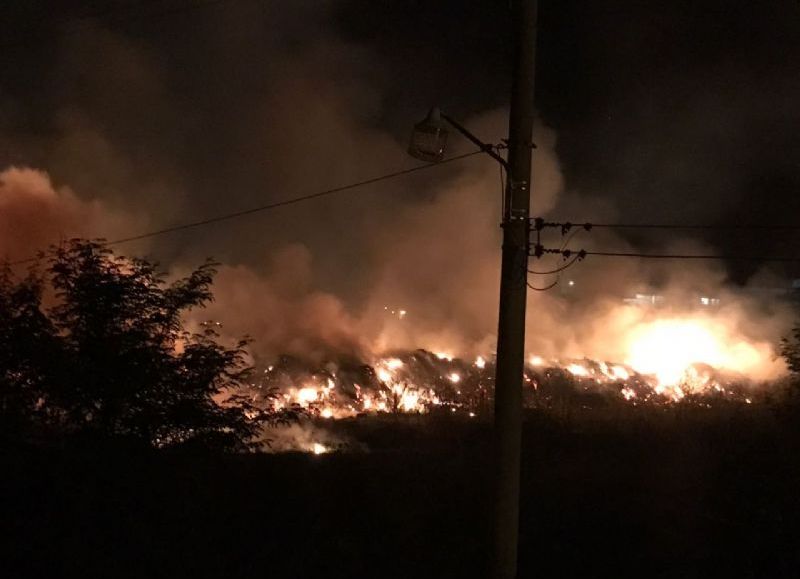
<point x="668" y="112"/>
<point x="661" y="397"/>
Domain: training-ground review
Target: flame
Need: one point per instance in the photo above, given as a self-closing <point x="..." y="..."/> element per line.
<point x="306" y="395"/>
<point x="578" y="370"/>
<point x="536" y="361"/>
<point x="620" y="373"/>
<point x="394" y="363"/>
<point x="664" y="360"/>
<point x="409" y="401"/>
<point x="668" y="348"/>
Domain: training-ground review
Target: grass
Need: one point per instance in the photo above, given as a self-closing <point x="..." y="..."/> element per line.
<point x="680" y="491"/>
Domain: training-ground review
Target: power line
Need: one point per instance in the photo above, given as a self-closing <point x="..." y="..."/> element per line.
<point x="277" y="204"/>
<point x="539" y="224"/>
<point x="556" y="270"/>
<point x="692" y="256"/>
<point x="583" y="253"/>
<point x="545" y="288"/>
<point x="731" y="226"/>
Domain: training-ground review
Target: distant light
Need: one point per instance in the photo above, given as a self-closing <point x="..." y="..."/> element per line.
<point x="571" y="283"/>
<point x="455" y="378"/>
<point x="319" y="448"/>
<point x="480" y="362"/>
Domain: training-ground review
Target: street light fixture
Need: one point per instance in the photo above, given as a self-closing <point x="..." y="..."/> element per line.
<point x="429" y="138"/>
<point x="428" y="143"/>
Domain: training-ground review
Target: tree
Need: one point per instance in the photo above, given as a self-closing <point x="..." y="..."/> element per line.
<point x="790" y="350"/>
<point x="112" y="358"/>
<point x="27" y="346"/>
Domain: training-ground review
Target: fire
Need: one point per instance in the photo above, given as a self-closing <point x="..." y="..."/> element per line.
<point x="620" y="373"/>
<point x="578" y="370"/>
<point x="661" y="361"/>
<point x="669" y="348"/>
<point x="394" y="363"/>
<point x="409" y="401"/>
<point x="306" y="395"/>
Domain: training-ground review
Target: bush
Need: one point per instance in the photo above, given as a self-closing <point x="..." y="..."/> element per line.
<point x="111" y="358"/>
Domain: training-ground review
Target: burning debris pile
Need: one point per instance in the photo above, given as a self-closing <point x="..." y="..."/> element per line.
<point x="590" y="379"/>
<point x="668" y="362"/>
<point x="403" y="382"/>
<point x="420" y="381"/>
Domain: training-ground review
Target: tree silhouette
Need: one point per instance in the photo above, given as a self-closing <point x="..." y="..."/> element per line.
<point x="27" y="347"/>
<point x="112" y="358"/>
<point x="790" y="350"/>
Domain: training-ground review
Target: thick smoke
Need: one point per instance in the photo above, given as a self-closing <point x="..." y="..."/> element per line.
<point x="439" y="260"/>
<point x="247" y="106"/>
<point x="283" y="311"/>
<point x="34" y="214"/>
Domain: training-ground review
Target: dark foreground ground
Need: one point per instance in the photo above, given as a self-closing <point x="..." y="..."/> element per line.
<point x="686" y="493"/>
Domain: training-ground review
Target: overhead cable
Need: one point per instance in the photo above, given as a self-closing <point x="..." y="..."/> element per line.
<point x="275" y="205"/>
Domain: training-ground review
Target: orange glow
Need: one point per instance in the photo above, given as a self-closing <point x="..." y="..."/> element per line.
<point x="578" y="370"/>
<point x="668" y="348"/>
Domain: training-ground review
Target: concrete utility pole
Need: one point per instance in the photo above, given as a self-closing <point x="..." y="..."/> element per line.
<point x="428" y="142"/>
<point x="513" y="294"/>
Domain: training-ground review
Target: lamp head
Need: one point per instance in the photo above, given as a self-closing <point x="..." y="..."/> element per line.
<point x="429" y="138"/>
